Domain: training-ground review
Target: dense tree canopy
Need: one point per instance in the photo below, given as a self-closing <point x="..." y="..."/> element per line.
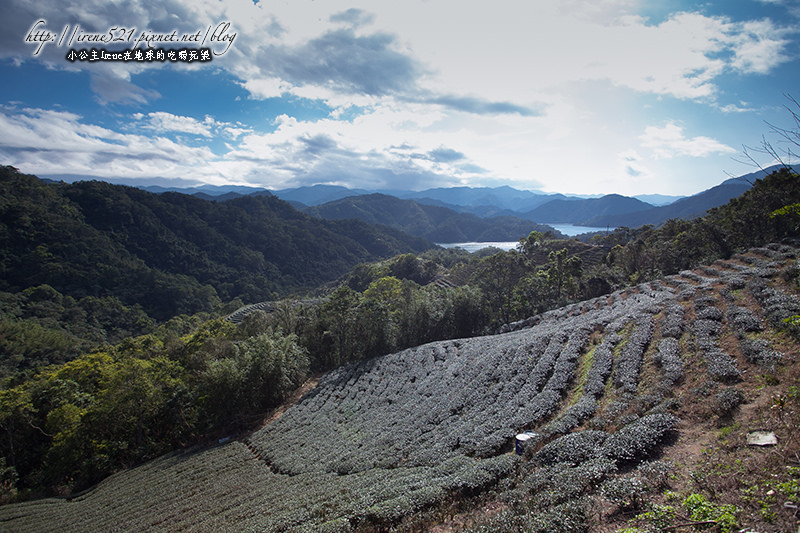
<point x="172" y="253"/>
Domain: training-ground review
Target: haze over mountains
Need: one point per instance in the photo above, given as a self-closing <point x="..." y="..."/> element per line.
<point x="435" y="223"/>
<point x="610" y="210"/>
<point x="487" y="213"/>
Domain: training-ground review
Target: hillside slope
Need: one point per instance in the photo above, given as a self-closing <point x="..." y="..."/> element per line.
<point x="686" y="208"/>
<point x="582" y="212"/>
<point x="173" y="253"/>
<point x="417" y="438"/>
<point x="435" y="223"/>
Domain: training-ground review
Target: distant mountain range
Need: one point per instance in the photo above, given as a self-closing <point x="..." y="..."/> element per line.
<point x="435" y="223"/>
<point x="685" y="208"/>
<point x="487" y="213"/>
<point x="581" y="212"/>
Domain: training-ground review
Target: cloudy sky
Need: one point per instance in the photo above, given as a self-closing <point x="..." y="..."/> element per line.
<point x="581" y="97"/>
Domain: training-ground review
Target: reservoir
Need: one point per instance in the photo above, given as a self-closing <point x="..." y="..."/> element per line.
<point x="567" y="229"/>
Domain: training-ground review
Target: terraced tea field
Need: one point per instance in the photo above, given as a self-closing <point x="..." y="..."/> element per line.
<point x="600" y="385"/>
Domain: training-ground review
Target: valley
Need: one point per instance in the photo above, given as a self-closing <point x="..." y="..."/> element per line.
<point x="638" y="363"/>
<point x="609" y="386"/>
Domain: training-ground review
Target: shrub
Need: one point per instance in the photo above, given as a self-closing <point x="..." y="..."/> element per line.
<point x="777" y="305"/>
<point x="638" y="439"/>
<point x="721" y="366"/>
<point x="629" y="363"/>
<point x="569" y="517"/>
<point x="758" y="352"/>
<point x="573" y="416"/>
<point x="659" y="515"/>
<point x="673" y="322"/>
<point x="573" y="448"/>
<point x="668" y="357"/>
<point x="656" y="473"/>
<point x="552" y="485"/>
<point x="727" y="401"/>
<point x="743" y="320"/>
<point x="709" y="313"/>
<point x="624" y="491"/>
<point x="601" y="366"/>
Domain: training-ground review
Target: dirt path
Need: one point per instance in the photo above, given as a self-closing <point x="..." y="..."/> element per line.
<point x="309" y="384"/>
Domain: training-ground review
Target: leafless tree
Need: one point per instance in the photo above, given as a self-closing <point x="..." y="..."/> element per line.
<point x="784" y="150"/>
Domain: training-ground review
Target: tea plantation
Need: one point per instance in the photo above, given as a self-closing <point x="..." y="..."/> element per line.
<point x="380" y="444"/>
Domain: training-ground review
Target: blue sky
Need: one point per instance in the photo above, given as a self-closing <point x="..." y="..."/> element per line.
<point x="577" y="96"/>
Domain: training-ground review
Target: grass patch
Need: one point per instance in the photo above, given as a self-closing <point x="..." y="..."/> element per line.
<point x="585" y="364"/>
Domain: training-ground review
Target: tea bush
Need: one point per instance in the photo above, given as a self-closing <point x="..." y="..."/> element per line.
<point x="573" y="448"/>
<point x="638" y="439"/>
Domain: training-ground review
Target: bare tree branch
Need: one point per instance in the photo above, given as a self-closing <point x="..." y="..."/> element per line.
<point x="790" y="137"/>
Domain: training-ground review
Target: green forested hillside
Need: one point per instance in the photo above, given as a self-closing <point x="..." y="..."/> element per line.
<point x="617" y="394"/>
<point x="436" y="223"/>
<point x="68" y="425"/>
<point x="172" y="253"/>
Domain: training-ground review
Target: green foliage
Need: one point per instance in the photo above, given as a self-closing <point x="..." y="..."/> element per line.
<point x="260" y="373"/>
<point x="172" y="253"/>
<point x="790" y="210"/>
<point x="41" y="326"/>
<point x="660" y="516"/>
<point x="390" y="314"/>
<point x="498" y="276"/>
<point x="562" y="271"/>
<point x="71" y="425"/>
<point x="625" y="491"/>
<point x="758" y="216"/>
<point x="528" y="245"/>
<point x="139" y="256"/>
<point x="700" y="509"/>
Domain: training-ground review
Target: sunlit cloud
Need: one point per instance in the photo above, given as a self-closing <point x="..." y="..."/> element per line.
<point x="378" y="92"/>
<point x="669" y="141"/>
<point x="162" y="122"/>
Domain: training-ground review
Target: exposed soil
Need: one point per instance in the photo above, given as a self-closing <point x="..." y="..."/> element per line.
<point x="309" y="385"/>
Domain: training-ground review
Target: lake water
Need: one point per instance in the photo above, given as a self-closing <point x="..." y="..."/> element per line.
<point x="566" y="229"/>
<point x="475" y="246"/>
<point x="571" y="231"/>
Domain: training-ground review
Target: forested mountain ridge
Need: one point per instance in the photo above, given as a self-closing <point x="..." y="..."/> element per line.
<point x="686" y="208"/>
<point x="612" y="210"/>
<point x="435" y="223"/>
<point x="581" y="212"/>
<point x="173" y="253"/>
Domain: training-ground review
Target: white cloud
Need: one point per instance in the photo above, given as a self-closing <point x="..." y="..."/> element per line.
<point x="508" y="53"/>
<point x="668" y="141"/>
<point x="741" y="107"/>
<point x="516" y="51"/>
<point x="361" y="151"/>
<point x="519" y="88"/>
<point x="163" y="122"/>
<point x="51" y="142"/>
<point x="758" y="47"/>
<point x="263" y="88"/>
<point x="234" y="132"/>
<point x="630" y="164"/>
